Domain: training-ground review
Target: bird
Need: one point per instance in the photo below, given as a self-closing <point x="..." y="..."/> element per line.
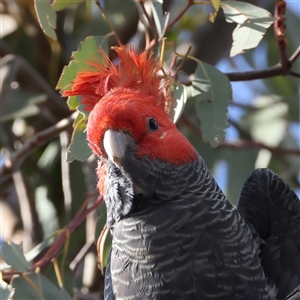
<point x="174" y="233"/>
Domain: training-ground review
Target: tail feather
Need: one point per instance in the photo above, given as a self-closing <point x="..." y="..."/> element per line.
<point x="272" y="210"/>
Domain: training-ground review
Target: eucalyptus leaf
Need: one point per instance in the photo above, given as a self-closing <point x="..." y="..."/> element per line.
<point x="63" y="4"/>
<point x="103" y="245"/>
<point x="159" y="17"/>
<point x="248" y="35"/>
<point x="212" y="92"/>
<point x="46" y="17"/>
<point x="180" y="96"/>
<point x="6" y="290"/>
<point x="14" y="256"/>
<point x="78" y="148"/>
<point x="21" y="104"/>
<point x="239" y="12"/>
<point x="73" y="102"/>
<point x="252" y="23"/>
<point x="37" y="286"/>
<point x="33" y="253"/>
<point x="216" y="6"/>
<point x="87" y="51"/>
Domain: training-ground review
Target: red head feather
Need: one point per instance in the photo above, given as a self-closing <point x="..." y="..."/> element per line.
<point x="131" y="69"/>
<point x="122" y="94"/>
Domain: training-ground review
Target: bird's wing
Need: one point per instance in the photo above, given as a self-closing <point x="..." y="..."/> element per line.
<point x="272" y="210"/>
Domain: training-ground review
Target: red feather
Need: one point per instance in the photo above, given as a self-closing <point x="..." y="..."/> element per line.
<point x="122" y="94"/>
<point x="129" y="69"/>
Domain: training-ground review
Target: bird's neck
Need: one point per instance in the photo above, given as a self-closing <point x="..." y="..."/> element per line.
<point x="159" y="182"/>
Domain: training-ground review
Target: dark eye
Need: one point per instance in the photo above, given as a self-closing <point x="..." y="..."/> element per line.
<point x="153" y="126"/>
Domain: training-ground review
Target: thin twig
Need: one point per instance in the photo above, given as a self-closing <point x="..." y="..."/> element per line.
<point x="242" y="105"/>
<point x="76" y="221"/>
<point x="60" y="240"/>
<point x="276" y="70"/>
<point x="189" y="123"/>
<point x="295" y="55"/>
<point x="90" y="270"/>
<point x="184" y="58"/>
<point x="25" y="210"/>
<point x="151" y="24"/>
<point x="81" y="254"/>
<point x="256" y="74"/>
<point x="17" y="64"/>
<point x="279" y="28"/>
<point x="242" y="144"/>
<point x="108" y="22"/>
<point x="17" y="158"/>
<point x="65" y="174"/>
<point x="246" y="144"/>
<point x="189" y="4"/>
<point x="293" y="73"/>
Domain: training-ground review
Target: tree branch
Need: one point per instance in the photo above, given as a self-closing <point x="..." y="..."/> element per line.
<point x="151" y="24"/>
<point x="279" y="28"/>
<point x="189" y="4"/>
<point x="16" y="158"/>
<point x="108" y="22"/>
<point x="256" y="74"/>
<point x="295" y="74"/>
<point x="276" y="70"/>
<point x="247" y="144"/>
<point x="16" y="64"/>
<point x="241" y="144"/>
<point x="60" y="240"/>
<point x="295" y="55"/>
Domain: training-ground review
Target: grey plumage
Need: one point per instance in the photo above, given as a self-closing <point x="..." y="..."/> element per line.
<point x="182" y="239"/>
<point x="272" y="211"/>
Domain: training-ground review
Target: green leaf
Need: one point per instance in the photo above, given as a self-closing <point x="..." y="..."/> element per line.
<point x="106" y="241"/>
<point x="73" y="102"/>
<point x="78" y="148"/>
<point x="14" y="256"/>
<point x="87" y="50"/>
<point x="180" y="96"/>
<point x="6" y="291"/>
<point x="46" y="16"/>
<point x="37" y="286"/>
<point x="63" y="4"/>
<point x="33" y="253"/>
<point x="216" y="6"/>
<point x="252" y="25"/>
<point x="20" y="104"/>
<point x="212" y="92"/>
<point x="247" y="36"/>
<point x="239" y="12"/>
<point x="159" y="17"/>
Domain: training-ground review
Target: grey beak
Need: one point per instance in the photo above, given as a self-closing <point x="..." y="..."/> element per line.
<point x="115" y="144"/>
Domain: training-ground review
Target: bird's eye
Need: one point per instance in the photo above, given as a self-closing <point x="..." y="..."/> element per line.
<point x="153" y="126"/>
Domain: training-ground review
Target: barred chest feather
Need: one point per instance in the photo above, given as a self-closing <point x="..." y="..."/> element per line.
<point x="195" y="246"/>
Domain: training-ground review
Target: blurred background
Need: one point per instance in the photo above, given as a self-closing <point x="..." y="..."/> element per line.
<point x="45" y="192"/>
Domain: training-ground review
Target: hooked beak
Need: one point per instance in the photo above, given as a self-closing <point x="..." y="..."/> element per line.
<point x="115" y="144"/>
